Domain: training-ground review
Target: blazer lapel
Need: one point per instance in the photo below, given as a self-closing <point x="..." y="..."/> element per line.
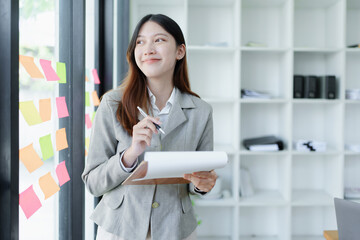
<point x="176" y="115"/>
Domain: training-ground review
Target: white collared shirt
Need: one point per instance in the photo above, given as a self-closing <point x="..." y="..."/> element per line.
<point x="163" y="115"/>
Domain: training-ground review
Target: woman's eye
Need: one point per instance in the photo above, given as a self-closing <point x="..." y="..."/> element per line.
<point x="139" y="41"/>
<point x="159" y="40"/>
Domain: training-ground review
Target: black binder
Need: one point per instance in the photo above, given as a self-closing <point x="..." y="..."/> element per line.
<point x="265" y="140"/>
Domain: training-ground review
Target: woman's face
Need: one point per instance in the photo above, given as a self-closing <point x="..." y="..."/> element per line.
<point x="156" y="52"/>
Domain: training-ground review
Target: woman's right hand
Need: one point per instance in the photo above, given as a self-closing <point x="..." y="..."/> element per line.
<point x="142" y="134"/>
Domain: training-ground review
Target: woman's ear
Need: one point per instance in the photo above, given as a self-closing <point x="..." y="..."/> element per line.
<point x="181" y="50"/>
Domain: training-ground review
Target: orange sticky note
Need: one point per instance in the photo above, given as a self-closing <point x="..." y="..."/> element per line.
<point x="30" y="158"/>
<point x="95" y="76"/>
<point x="45" y="109"/>
<point x="86" y="79"/>
<point x="30" y="113"/>
<point x="48" y="185"/>
<point x="30" y="66"/>
<point x="88" y="121"/>
<point x="85" y="153"/>
<point x="62" y="173"/>
<point x="95" y="98"/>
<point x="61" y="106"/>
<point x="29" y="202"/>
<point x="50" y="73"/>
<point x="61" y="141"/>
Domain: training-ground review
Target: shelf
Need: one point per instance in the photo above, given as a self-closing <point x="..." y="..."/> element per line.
<point x="326" y="153"/>
<point x="255" y="153"/>
<point x="210" y="49"/>
<point x="349" y="153"/>
<point x="315" y="101"/>
<point x="213" y="238"/>
<point x="311" y="198"/>
<point x="317" y="50"/>
<point x="259" y="238"/>
<point x="266" y="101"/>
<point x="352" y="102"/>
<point x="264" y="49"/>
<point x="225" y="148"/>
<point x="307" y="237"/>
<point x="263" y="198"/>
<point x="199" y="202"/>
<point x="317" y="4"/>
<point x="220" y="100"/>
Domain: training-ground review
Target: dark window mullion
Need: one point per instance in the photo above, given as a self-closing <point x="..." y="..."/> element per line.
<point x="9" y="119"/>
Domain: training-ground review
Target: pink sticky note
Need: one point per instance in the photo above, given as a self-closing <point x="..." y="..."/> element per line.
<point x="29" y="202"/>
<point x="96" y="76"/>
<point x="62" y="109"/>
<point x="62" y="173"/>
<point x="50" y="73"/>
<point x="88" y="121"/>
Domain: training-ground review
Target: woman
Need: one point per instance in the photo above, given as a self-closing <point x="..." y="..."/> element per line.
<point x="158" y="82"/>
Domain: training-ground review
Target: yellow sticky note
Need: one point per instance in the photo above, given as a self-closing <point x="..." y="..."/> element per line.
<point x="30" y="113"/>
<point x="45" y="109"/>
<point x="87" y="142"/>
<point x="95" y="98"/>
<point x="48" y="185"/>
<point x="61" y="141"/>
<point x="30" y="158"/>
<point x="30" y="67"/>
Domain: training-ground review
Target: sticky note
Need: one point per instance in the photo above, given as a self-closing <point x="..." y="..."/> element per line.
<point x="30" y="113"/>
<point x="93" y="116"/>
<point x="88" y="121"/>
<point x="30" y="67"/>
<point x="50" y="74"/>
<point x="29" y="202"/>
<point x="45" y="109"/>
<point x="86" y="79"/>
<point x="46" y="147"/>
<point x="95" y="76"/>
<point x="61" y="141"/>
<point x="87" y="142"/>
<point x="62" y="173"/>
<point x="95" y="98"/>
<point x="61" y="106"/>
<point x="61" y="71"/>
<point x="30" y="158"/>
<point x="86" y="153"/>
<point x="48" y="185"/>
<point x="87" y="99"/>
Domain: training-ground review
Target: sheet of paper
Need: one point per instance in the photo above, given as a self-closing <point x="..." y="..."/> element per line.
<point x="62" y="173"/>
<point x="61" y="71"/>
<point x="48" y="185"/>
<point x="45" y="109"/>
<point x="29" y="202"/>
<point x="30" y="113"/>
<point x="176" y="164"/>
<point x="88" y="121"/>
<point x="50" y="73"/>
<point x="95" y="76"/>
<point x="30" y="67"/>
<point x="61" y="106"/>
<point x="30" y="158"/>
<point x="95" y="98"/>
<point x="46" y="147"/>
<point x="61" y="140"/>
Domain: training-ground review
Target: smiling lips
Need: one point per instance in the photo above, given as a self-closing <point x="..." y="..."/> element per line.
<point x="151" y="60"/>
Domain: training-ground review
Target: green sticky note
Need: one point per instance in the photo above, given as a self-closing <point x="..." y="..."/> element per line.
<point x="87" y="99"/>
<point x="30" y="113"/>
<point x="93" y="116"/>
<point x="46" y="147"/>
<point x="61" y="71"/>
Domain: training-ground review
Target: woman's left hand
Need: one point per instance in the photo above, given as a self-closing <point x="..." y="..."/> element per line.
<point x="204" y="181"/>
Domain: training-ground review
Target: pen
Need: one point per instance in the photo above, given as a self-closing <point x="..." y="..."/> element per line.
<point x="145" y="115"/>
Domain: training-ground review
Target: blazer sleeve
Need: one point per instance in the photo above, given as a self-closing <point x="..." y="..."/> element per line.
<point x="206" y="142"/>
<point x="103" y="171"/>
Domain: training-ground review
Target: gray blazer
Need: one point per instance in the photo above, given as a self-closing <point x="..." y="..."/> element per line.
<point x="127" y="210"/>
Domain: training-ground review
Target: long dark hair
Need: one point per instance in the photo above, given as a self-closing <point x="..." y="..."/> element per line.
<point x="134" y="88"/>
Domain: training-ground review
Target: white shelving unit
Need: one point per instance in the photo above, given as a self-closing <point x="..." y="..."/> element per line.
<point x="294" y="191"/>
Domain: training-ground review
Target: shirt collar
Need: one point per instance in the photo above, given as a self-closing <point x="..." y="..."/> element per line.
<point x="169" y="101"/>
